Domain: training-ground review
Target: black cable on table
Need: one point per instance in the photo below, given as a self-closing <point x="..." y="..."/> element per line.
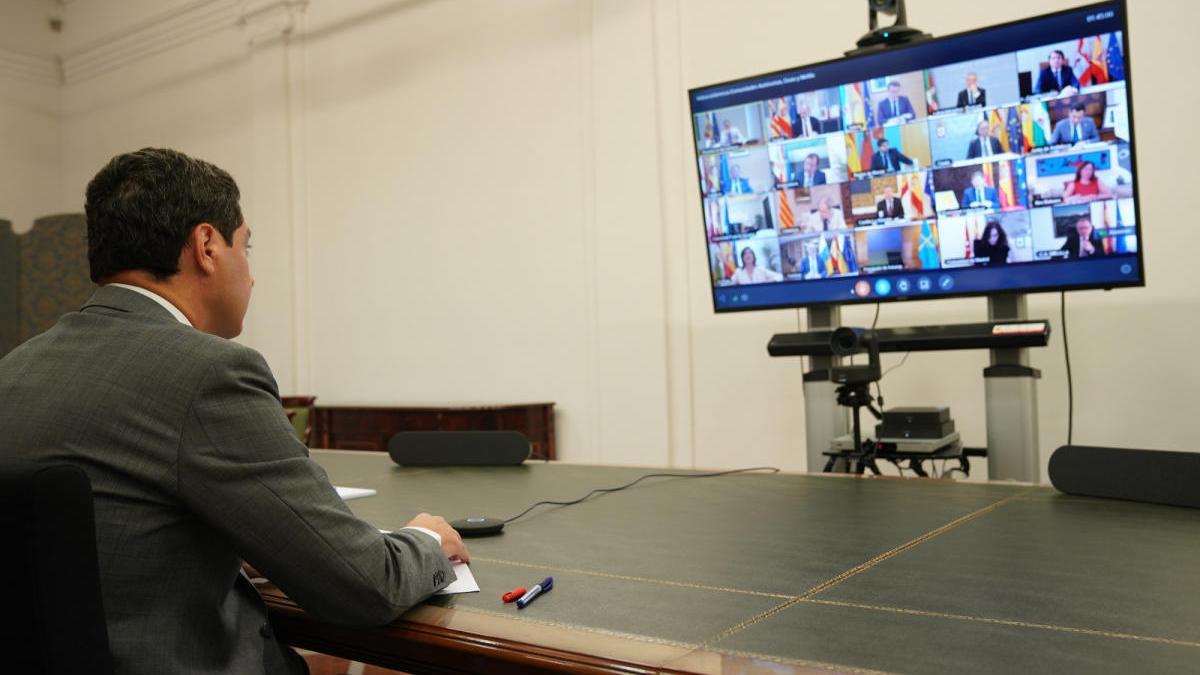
<point x="631" y="484"/>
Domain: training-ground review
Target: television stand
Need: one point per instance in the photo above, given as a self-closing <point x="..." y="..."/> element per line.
<point x="1010" y="402"/>
<point x="824" y="419"/>
<point x="1010" y="384"/>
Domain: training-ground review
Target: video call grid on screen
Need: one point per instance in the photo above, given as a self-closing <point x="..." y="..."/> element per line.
<point x="999" y="160"/>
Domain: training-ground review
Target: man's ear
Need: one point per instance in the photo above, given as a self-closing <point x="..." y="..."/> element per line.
<point x="202" y="247"/>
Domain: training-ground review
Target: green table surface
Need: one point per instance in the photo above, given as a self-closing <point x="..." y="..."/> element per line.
<point x="869" y="574"/>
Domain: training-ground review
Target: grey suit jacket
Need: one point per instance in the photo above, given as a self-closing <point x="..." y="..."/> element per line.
<point x="1064" y="134"/>
<point x="195" y="468"/>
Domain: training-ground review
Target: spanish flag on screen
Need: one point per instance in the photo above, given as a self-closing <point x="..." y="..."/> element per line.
<point x="853" y="159"/>
<point x="1004" y="185"/>
<point x="838" y="259"/>
<point x="855" y="104"/>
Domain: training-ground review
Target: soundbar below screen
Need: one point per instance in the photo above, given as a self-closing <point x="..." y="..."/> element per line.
<point x="995" y="161"/>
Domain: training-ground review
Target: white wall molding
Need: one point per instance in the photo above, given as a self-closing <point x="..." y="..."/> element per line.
<point x="264" y="20"/>
<point x="29" y="68"/>
<point x="261" y="20"/>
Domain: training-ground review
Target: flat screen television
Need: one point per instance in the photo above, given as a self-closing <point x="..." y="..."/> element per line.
<point x="995" y="161"/>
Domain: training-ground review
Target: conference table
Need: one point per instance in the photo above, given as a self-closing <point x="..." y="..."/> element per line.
<point x="779" y="573"/>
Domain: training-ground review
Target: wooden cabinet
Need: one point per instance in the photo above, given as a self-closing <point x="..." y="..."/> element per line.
<point x="370" y="428"/>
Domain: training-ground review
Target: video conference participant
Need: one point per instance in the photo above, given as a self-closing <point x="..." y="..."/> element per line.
<point x="979" y="195"/>
<point x="1082" y="242"/>
<point x="193" y="463"/>
<point x="810" y="174"/>
<point x="973" y="94"/>
<point x="1076" y="128"/>
<point x="805" y="125"/>
<point x="709" y="139"/>
<point x="895" y="106"/>
<point x="1057" y="76"/>
<point x="810" y="266"/>
<point x="825" y="217"/>
<point x="1086" y="186"/>
<point x="737" y="184"/>
<point x="731" y="135"/>
<point x="889" y="206"/>
<point x="993" y="244"/>
<point x="887" y="158"/>
<point x="984" y="144"/>
<point x="750" y="272"/>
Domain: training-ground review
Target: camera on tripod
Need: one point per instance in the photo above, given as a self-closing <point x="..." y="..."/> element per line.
<point x="851" y="341"/>
<point x="854" y="382"/>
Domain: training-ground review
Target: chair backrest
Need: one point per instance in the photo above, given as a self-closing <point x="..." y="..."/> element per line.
<point x="49" y="573"/>
<point x="300" y="411"/>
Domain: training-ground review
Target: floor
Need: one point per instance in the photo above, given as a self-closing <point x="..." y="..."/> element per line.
<point x="324" y="664"/>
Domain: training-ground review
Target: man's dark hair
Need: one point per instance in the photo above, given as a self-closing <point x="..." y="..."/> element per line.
<point x="1060" y="53"/>
<point x="882" y="142"/>
<point x="142" y="207"/>
<point x="1078" y="107"/>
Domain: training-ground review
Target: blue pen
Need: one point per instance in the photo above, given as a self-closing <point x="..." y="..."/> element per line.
<point x="543" y="587"/>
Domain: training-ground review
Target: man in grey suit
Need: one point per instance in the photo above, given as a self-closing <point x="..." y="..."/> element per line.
<point x="1076" y="128"/>
<point x="194" y="465"/>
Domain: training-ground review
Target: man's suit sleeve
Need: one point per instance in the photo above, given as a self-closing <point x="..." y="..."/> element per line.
<point x="242" y="470"/>
<point x="1058" y="136"/>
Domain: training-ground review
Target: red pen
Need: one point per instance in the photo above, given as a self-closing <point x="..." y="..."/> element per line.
<point x="513" y="594"/>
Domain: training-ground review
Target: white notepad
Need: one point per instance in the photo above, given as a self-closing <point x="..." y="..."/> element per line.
<point x="348" y="493"/>
<point x="465" y="583"/>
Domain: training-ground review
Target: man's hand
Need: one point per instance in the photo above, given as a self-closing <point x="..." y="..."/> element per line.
<point x="452" y="544"/>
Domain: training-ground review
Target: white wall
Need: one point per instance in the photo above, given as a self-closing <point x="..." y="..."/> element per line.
<point x="29" y="102"/>
<point x="30" y="155"/>
<point x="483" y="201"/>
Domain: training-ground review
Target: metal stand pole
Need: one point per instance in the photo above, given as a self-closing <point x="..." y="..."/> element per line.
<point x="824" y="419"/>
<point x="1010" y="394"/>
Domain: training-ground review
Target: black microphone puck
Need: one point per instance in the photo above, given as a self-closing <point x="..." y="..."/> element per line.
<point x="477" y="526"/>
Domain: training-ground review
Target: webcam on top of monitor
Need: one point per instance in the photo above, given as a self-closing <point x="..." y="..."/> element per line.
<point x="899" y="33"/>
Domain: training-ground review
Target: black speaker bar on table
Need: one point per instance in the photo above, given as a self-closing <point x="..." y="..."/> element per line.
<point x="459" y="448"/>
<point x="1152" y="476"/>
<point x="989" y="335"/>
